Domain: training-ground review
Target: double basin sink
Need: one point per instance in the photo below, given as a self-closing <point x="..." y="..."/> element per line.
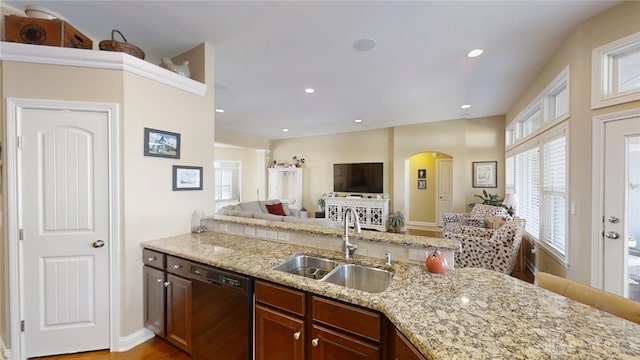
<point x="353" y="276"/>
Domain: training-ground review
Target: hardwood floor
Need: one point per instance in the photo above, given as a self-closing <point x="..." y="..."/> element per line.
<point x="154" y="349"/>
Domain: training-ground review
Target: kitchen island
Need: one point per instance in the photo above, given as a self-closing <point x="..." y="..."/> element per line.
<point x="464" y="314"/>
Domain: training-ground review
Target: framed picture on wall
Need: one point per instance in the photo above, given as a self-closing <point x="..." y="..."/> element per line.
<point x="485" y="174"/>
<point x="422" y="173"/>
<point x="422" y="184"/>
<point x="187" y="177"/>
<point x="161" y="143"/>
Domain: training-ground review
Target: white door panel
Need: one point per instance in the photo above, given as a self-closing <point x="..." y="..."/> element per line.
<point x="621" y="258"/>
<point x="64" y="189"/>
<point x="445" y="188"/>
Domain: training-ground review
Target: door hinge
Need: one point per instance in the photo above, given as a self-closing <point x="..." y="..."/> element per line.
<point x="20" y="234"/>
<point x="19" y="142"/>
<point x="22" y="326"/>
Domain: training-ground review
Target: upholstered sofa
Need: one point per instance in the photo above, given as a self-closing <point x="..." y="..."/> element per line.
<point x="272" y="210"/>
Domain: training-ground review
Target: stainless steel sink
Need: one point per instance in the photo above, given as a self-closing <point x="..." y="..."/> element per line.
<point x="307" y="266"/>
<point x="360" y="277"/>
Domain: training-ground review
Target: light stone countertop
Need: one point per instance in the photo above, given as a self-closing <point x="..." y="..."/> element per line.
<point x="465" y="314"/>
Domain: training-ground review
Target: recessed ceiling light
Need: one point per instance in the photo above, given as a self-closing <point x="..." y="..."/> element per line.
<point x="465" y="106"/>
<point x="219" y="110"/>
<point x="364" y="44"/>
<point x="358" y="120"/>
<point x="285" y="130"/>
<point x="475" y="53"/>
<point x="309" y="90"/>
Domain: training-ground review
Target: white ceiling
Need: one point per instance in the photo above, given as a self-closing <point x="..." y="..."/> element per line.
<point x="267" y="53"/>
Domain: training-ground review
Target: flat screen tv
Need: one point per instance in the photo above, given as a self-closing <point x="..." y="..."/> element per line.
<point x="358" y="177"/>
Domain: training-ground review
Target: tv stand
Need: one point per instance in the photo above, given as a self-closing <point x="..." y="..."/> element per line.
<point x="372" y="213"/>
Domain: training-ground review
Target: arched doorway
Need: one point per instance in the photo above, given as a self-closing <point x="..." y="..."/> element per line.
<point x="428" y="188"/>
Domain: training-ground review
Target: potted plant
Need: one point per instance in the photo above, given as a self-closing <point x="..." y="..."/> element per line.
<point x="320" y="202"/>
<point x="489" y="199"/>
<point x="396" y="222"/>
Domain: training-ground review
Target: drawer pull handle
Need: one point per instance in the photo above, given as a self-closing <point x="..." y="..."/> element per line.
<point x="315" y="342"/>
<point x="296" y="335"/>
<point x="152" y="258"/>
<point x="166" y="284"/>
<point x="177" y="266"/>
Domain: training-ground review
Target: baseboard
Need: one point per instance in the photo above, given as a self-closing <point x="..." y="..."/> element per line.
<point x="420" y="225"/>
<point x="127" y="343"/>
<point x="6" y="353"/>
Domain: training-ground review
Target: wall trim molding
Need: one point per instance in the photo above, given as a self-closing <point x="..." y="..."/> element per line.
<point x="51" y="55"/>
<point x="6" y="353"/>
<point x="127" y="343"/>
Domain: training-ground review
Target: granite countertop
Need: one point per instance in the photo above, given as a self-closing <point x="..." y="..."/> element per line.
<point x="464" y="314"/>
<point x="368" y="235"/>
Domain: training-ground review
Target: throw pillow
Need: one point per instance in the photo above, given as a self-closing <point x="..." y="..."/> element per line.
<point x="276" y="209"/>
<point x="494" y="222"/>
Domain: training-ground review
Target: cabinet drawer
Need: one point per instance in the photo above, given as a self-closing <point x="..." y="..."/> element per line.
<point x="153" y="258"/>
<point x="345" y="317"/>
<point x="178" y="266"/>
<point x="280" y="297"/>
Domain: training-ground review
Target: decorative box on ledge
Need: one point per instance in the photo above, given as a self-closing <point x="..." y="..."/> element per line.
<point x="36" y="31"/>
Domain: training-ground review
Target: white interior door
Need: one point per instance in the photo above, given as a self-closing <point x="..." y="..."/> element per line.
<point x="621" y="233"/>
<point x="445" y="188"/>
<point x="63" y="185"/>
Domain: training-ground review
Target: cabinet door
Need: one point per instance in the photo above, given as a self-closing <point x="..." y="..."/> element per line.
<point x="179" y="312"/>
<point x="154" y="299"/>
<point x="402" y="349"/>
<point x="278" y="336"/>
<point x="330" y="345"/>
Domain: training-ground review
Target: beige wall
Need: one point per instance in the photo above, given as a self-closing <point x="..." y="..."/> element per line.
<point x="242" y="140"/>
<point x="465" y="140"/>
<point x="150" y="209"/>
<point x="321" y="152"/>
<point x="613" y="24"/>
<point x="422" y="206"/>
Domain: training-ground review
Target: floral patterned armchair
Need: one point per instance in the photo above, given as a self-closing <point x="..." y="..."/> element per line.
<point x="452" y="222"/>
<point x="488" y="248"/>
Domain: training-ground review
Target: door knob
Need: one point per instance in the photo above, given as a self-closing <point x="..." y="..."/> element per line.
<point x="98" y="244"/>
<point x="296" y="335"/>
<point x="166" y="284"/>
<point x="176" y="266"/>
<point x="159" y="281"/>
<point x="314" y="342"/>
<point x="612" y="235"/>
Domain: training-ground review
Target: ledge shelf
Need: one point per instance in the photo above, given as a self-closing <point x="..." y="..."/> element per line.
<point x="52" y="55"/>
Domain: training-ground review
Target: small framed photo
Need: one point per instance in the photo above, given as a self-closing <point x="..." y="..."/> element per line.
<point x="161" y="143"/>
<point x="422" y="173"/>
<point x="187" y="177"/>
<point x="485" y="174"/>
<point x="422" y="184"/>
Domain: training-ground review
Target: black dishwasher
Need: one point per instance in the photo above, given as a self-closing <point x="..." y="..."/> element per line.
<point x="222" y="309"/>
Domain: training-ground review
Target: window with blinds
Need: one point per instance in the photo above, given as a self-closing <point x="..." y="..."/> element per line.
<point x="527" y="188"/>
<point x="227" y="182"/>
<point x="554" y="155"/>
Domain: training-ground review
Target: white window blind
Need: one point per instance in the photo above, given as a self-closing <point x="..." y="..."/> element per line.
<point x="509" y="171"/>
<point x="554" y="159"/>
<point x="227" y="181"/>
<point x="527" y="186"/>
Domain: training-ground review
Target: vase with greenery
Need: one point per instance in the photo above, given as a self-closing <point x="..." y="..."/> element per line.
<point x="488" y="199"/>
<point x="396" y="222"/>
<point x="298" y="161"/>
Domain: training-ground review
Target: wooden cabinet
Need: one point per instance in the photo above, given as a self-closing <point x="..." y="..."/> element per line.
<point x="178" y="329"/>
<point x="167" y="298"/>
<point x="154" y="299"/>
<point x="401" y="348"/>
<point x="279" y="322"/>
<point x="284" y="317"/>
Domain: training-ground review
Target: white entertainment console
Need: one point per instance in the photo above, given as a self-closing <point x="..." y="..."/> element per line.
<point x="372" y="213"/>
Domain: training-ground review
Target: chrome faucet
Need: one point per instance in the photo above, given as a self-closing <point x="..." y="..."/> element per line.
<point x="349" y="248"/>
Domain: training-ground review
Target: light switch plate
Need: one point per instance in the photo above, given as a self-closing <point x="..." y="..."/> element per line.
<point x="249" y="231"/>
<point x="272" y="234"/>
<point x="261" y="233"/>
<point x="223" y="227"/>
<point x="283" y="236"/>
